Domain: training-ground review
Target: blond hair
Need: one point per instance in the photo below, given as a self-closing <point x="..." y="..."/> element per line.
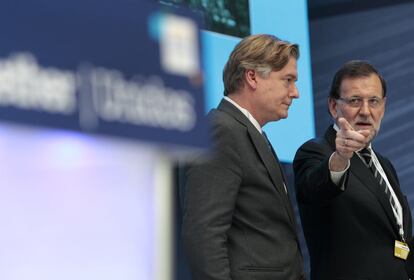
<point x="263" y="53"/>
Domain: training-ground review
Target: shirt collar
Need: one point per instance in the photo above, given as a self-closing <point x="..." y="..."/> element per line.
<point x="246" y="113"/>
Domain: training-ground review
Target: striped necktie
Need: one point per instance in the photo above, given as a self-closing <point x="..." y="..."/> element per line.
<point x="367" y="156"/>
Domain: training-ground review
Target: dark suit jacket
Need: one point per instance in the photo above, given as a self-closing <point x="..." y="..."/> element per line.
<point x="351" y="233"/>
<point x="238" y="221"/>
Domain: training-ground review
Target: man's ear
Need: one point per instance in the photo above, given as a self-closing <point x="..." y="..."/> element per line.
<point x="250" y="77"/>
<point x="332" y="105"/>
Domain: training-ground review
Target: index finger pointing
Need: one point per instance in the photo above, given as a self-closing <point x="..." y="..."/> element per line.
<point x="344" y="124"/>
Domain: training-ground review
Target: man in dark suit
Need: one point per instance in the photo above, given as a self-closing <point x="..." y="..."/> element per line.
<point x="353" y="212"/>
<point x="238" y="220"/>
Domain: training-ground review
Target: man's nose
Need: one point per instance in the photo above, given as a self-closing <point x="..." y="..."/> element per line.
<point x="365" y="109"/>
<point x="294" y="92"/>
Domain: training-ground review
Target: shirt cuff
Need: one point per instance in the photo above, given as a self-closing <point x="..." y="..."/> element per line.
<point x="336" y="176"/>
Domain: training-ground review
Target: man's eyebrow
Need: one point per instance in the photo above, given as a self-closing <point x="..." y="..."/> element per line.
<point x="294" y="76"/>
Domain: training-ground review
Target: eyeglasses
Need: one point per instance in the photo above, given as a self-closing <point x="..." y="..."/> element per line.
<point x="356" y="102"/>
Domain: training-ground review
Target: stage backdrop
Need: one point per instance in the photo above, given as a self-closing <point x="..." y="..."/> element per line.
<point x="384" y="36"/>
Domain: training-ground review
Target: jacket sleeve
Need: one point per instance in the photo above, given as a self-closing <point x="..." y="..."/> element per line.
<point x="210" y="197"/>
<point x="313" y="181"/>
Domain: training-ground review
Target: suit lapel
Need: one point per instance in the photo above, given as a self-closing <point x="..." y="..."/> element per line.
<point x="270" y="162"/>
<point x="360" y="171"/>
<point x="273" y="167"/>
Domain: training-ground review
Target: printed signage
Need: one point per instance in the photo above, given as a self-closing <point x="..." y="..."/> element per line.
<point x="122" y="68"/>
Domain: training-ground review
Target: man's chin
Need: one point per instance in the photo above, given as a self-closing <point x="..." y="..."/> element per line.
<point x="284" y="115"/>
<point x="372" y="134"/>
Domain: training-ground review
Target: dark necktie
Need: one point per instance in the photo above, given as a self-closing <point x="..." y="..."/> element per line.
<point x="274" y="154"/>
<point x="367" y="156"/>
<point x="270" y="145"/>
